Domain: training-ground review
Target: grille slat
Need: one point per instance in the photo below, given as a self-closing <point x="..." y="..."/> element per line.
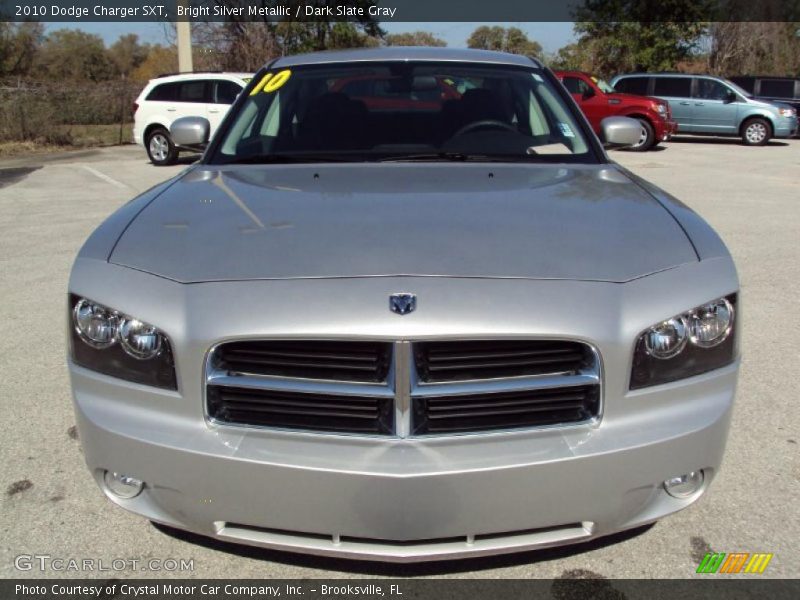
<point x="297" y="410"/>
<point x="327" y="360"/>
<point x="463" y="361"/>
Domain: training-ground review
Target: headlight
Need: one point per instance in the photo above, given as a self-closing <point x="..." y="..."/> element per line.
<point x="96" y="325"/>
<point x="787" y="112"/>
<point x="661" y="108"/>
<point x="697" y="341"/>
<point x="119" y="345"/>
<point x="666" y="339"/>
<point x="138" y="339"/>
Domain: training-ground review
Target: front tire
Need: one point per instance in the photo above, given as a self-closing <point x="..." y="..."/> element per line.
<point x="756" y="132"/>
<point x="160" y="149"/>
<point x="647" y="139"/>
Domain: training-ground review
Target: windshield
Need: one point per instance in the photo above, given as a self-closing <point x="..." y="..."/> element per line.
<point x="738" y="89"/>
<point x="375" y="111"/>
<point x="604" y="87"/>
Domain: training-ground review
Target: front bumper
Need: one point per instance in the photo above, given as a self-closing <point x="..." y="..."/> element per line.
<point x="667" y="130"/>
<point x="405" y="500"/>
<point x="786" y="127"/>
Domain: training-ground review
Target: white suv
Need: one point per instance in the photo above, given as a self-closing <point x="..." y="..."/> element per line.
<point x="167" y="98"/>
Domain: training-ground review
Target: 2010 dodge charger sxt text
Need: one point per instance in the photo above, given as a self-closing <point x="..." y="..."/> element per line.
<point x="404" y="308"/>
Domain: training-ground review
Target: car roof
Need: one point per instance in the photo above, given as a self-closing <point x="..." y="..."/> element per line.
<point x="206" y="75"/>
<point x="406" y="53"/>
<point x="767" y="77"/>
<point x="670" y="74"/>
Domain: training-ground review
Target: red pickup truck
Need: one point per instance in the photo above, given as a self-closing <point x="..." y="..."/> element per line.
<point x="598" y="100"/>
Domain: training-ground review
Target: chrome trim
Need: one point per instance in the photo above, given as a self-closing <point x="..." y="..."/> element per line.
<point x="462" y="546"/>
<point x="305" y="386"/>
<point x="403" y="363"/>
<point x="506" y="384"/>
<point x="403" y="384"/>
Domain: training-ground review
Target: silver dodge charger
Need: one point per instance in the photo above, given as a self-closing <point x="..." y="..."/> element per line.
<point x="404" y="308"/>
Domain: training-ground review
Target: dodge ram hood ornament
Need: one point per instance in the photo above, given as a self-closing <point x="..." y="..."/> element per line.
<point x="402" y="304"/>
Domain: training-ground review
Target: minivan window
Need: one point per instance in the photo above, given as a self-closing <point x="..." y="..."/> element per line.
<point x="777" y="88"/>
<point x="313" y="113"/>
<point x="711" y="89"/>
<point x="676" y="87"/>
<point x="164" y="92"/>
<point x="633" y="85"/>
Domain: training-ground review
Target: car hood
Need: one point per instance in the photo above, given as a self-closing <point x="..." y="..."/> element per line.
<point x="584" y="222"/>
<point x="633" y="98"/>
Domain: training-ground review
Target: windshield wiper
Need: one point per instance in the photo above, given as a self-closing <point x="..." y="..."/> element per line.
<point x="265" y="159"/>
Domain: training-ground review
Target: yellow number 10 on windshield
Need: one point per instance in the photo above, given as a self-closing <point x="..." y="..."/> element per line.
<point x="272" y="82"/>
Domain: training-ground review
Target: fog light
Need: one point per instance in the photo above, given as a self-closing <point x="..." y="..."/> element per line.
<point x="123" y="486"/>
<point x="684" y="486"/>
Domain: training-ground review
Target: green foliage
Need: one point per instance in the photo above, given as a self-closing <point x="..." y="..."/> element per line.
<point x="415" y="38"/>
<point x="621" y="35"/>
<point x="511" y="39"/>
<point x="74" y="55"/>
<point x="18" y="45"/>
<point x="572" y="57"/>
<point x="127" y="54"/>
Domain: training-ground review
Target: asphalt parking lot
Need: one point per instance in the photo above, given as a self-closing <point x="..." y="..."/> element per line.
<point x="50" y="506"/>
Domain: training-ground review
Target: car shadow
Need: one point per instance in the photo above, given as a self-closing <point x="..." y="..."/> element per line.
<point x="188" y="159"/>
<point x="724" y="141"/>
<point x="382" y="569"/>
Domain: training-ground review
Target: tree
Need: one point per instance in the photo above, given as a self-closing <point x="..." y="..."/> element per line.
<point x="572" y="57"/>
<point x="743" y="48"/>
<point x="74" y="55"/>
<point x="245" y="44"/>
<point x="127" y="54"/>
<point x="160" y="59"/>
<point x="19" y="44"/>
<point x="511" y="39"/>
<point x="622" y="35"/>
<point x="415" y="38"/>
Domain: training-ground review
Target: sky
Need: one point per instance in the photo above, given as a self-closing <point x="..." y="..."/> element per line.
<point x="551" y="36"/>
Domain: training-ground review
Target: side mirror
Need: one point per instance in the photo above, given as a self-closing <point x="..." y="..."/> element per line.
<point x="191" y="132"/>
<point x="587" y="93"/>
<point x="617" y="132"/>
<point x="729" y="97"/>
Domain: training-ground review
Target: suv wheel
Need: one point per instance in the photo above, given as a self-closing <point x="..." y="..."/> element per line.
<point x="160" y="148"/>
<point x="648" y="138"/>
<point x="756" y="132"/>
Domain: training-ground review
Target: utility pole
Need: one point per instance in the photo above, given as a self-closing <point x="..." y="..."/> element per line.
<point x="184" y="31"/>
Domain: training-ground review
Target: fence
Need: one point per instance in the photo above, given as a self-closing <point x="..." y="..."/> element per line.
<point x="43" y="111"/>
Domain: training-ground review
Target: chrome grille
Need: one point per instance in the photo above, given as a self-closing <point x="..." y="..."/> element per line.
<point x="487" y="386"/>
<point x="344" y="361"/>
<point x="293" y="410"/>
<point x="454" y="361"/>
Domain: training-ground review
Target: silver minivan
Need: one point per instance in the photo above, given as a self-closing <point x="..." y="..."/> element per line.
<point x="708" y="105"/>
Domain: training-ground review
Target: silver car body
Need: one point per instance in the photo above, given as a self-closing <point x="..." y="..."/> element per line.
<point x="492" y="252"/>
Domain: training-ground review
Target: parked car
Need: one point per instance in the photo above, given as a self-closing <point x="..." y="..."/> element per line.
<point x="404" y="336"/>
<point x="707" y="105"/>
<point x="171" y="97"/>
<point x="390" y="93"/>
<point x="598" y="100"/>
<point x="772" y="89"/>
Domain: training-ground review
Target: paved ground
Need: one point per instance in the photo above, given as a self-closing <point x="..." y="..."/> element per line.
<point x="50" y="505"/>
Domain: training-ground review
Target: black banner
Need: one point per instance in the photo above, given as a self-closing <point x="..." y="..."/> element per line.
<point x="385" y="10"/>
<point x="400" y="589"/>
